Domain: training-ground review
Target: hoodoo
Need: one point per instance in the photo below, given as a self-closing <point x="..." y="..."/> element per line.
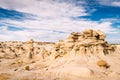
<point x="87" y="42"/>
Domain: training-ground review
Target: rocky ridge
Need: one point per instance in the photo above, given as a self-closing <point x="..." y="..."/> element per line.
<point x="87" y="42"/>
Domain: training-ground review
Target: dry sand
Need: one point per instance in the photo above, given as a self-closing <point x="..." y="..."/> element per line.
<point x="78" y="67"/>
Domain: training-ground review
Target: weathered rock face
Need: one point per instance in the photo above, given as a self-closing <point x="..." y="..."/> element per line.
<point x="26" y="50"/>
<point x="87" y="42"/>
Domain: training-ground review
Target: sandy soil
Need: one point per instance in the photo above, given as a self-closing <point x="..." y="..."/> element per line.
<point x="68" y="67"/>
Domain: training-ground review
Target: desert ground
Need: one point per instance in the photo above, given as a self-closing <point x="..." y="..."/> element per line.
<point x="81" y="56"/>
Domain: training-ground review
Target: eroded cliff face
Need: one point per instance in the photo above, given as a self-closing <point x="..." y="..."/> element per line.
<point x="87" y="42"/>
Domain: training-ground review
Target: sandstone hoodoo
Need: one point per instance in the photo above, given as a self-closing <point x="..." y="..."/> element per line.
<point x="30" y="48"/>
<point x="87" y="42"/>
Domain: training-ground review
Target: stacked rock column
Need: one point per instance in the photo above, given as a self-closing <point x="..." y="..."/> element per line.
<point x="30" y="49"/>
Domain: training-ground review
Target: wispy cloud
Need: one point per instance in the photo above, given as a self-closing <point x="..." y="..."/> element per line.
<point x="52" y="31"/>
<point x="115" y="3"/>
<point x="14" y="15"/>
<point x="44" y="8"/>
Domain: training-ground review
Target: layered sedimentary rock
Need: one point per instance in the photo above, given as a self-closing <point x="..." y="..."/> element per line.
<point x="87" y="42"/>
<point x="29" y="49"/>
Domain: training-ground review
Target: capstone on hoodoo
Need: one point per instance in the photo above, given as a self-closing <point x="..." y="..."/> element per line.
<point x="86" y="42"/>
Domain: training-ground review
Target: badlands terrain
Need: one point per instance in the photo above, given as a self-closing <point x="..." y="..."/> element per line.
<point x="81" y="56"/>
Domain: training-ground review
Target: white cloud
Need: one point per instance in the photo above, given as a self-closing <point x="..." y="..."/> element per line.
<point x="52" y="18"/>
<point x="110" y="2"/>
<point x="50" y="30"/>
<point x="117" y="3"/>
<point x="44" y="8"/>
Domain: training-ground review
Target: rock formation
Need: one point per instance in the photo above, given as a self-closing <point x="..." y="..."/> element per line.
<point x="82" y="56"/>
<point x="30" y="48"/>
<point x="87" y="42"/>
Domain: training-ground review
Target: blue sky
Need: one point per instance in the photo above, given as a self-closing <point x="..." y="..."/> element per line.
<point x="51" y="20"/>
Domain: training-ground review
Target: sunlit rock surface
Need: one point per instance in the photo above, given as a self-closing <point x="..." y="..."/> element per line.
<point x="81" y="56"/>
